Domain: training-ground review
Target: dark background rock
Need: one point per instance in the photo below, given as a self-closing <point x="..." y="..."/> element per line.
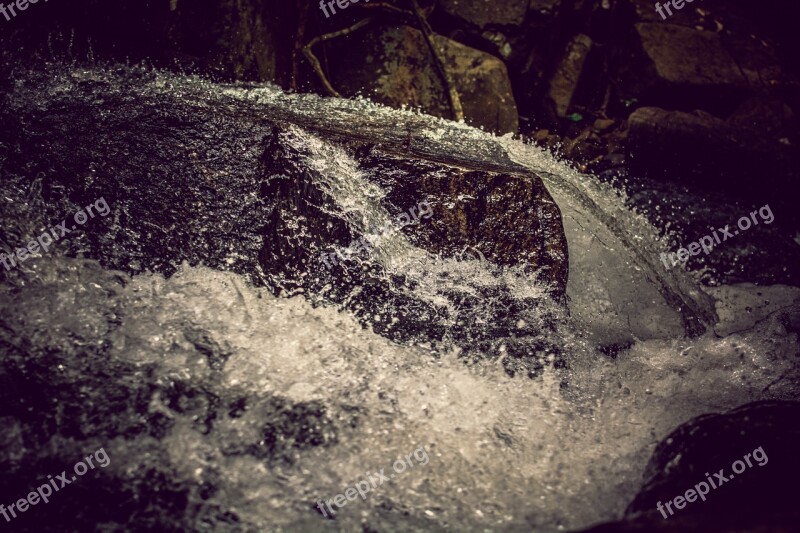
<point x="711" y="57"/>
<point x="483" y="13"/>
<point x="699" y="146"/>
<point x="393" y="66"/>
<point x="681" y="67"/>
<point x="567" y="75"/>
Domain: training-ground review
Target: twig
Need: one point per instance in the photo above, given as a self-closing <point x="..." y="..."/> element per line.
<point x="426" y="12"/>
<point x="427" y="31"/>
<point x="388" y="7"/>
<point x="325" y="37"/>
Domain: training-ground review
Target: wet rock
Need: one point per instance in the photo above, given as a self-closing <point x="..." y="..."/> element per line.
<point x="462" y="213"/>
<point x="249" y="196"/>
<point x="393" y="66"/>
<point x="759" y="499"/>
<point x="713" y="442"/>
<point x="565" y="81"/>
<point x="488" y="207"/>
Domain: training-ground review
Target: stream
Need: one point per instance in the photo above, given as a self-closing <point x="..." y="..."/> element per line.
<point x="257" y="397"/>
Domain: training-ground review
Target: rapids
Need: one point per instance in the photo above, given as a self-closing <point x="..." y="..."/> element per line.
<point x="558" y="452"/>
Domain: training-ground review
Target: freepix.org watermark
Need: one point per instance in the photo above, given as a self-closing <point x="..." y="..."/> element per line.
<point x="343" y="4"/>
<point x="363" y="487"/>
<point x="53" y="234"/>
<point x="702" y="489"/>
<point x="708" y="243"/>
<point x="43" y="493"/>
<point x="20" y="5"/>
<point x="677" y="4"/>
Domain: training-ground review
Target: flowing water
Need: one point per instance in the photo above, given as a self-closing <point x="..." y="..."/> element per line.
<point x="558" y="452"/>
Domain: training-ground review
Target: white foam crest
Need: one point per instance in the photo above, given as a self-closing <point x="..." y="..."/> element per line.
<point x="514" y="449"/>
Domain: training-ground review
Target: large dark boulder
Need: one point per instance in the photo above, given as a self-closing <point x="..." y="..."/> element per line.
<point x="759" y="498"/>
<point x="216" y="176"/>
<point x="713" y="442"/>
<point x="674" y="66"/>
<point x="682" y="55"/>
<point x="698" y="146"/>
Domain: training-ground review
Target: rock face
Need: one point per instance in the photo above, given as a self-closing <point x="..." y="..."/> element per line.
<point x="686" y="56"/>
<point x="759" y="498"/>
<point x="565" y="80"/>
<point x="252" y="196"/>
<point x="471" y="219"/>
<point x="713" y="442"/>
<point x="393" y="66"/>
<point x="710" y="149"/>
<point x="680" y="66"/>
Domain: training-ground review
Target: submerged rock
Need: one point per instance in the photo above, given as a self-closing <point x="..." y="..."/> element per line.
<point x="74" y="385"/>
<point x="195" y="175"/>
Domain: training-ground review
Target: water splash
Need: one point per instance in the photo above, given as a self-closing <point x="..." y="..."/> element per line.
<point x="506" y="454"/>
